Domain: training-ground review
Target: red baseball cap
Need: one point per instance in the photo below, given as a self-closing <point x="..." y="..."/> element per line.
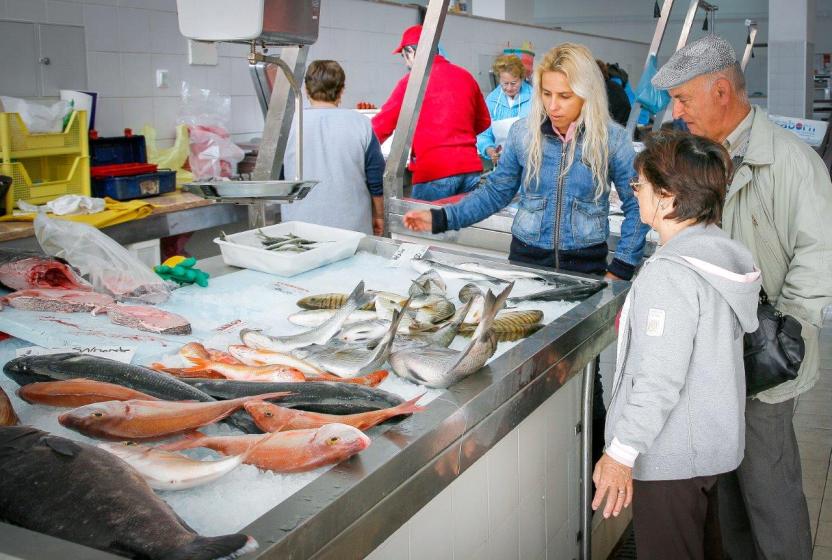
<point x="409" y="37"/>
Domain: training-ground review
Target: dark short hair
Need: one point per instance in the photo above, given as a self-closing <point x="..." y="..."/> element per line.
<point x="695" y="170"/>
<point x="324" y="80"/>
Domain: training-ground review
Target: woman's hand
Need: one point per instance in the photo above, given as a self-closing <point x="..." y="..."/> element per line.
<point x="615" y="481"/>
<point x="378" y="226"/>
<point x="494" y="154"/>
<point x="418" y="220"/>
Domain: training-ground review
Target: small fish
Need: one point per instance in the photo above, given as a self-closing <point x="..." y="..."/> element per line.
<point x="509" y="274"/>
<point x="255" y="357"/>
<point x="77" y="492"/>
<point x="7" y="414"/>
<point x="317" y="317"/>
<point x="272" y="418"/>
<point x="429" y="282"/>
<point x="329" y="301"/>
<point x="242" y="372"/>
<point x="186" y="372"/>
<point x="510" y="321"/>
<point x="78" y="392"/>
<point x="286" y="452"/>
<point x="372" y="379"/>
<point x="569" y="293"/>
<point x="317" y="335"/>
<point x="145" y="420"/>
<point x="365" y="332"/>
<point x="57" y="300"/>
<point x="167" y="470"/>
<point x="198" y="350"/>
<point x="424" y="265"/>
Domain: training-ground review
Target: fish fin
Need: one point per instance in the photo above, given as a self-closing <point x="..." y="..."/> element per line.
<point x="493" y="304"/>
<point x="189" y="440"/>
<point x="62" y="446"/>
<point x="376" y="377"/>
<point x="409" y="407"/>
<point x="357" y="294"/>
<point x="213" y="548"/>
<point x="199" y="364"/>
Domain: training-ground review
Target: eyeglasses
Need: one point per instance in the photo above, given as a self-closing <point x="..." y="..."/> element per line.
<point x="636" y="185"/>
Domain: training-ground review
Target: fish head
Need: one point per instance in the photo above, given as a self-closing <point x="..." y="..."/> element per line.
<point x="27" y="369"/>
<point x="267" y="416"/>
<point x="254" y="338"/>
<point x="96" y="418"/>
<point x="340" y="440"/>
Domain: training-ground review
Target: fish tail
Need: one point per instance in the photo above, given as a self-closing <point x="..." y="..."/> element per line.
<point x="409" y="407"/>
<point x="376" y="377"/>
<point x="225" y="547"/>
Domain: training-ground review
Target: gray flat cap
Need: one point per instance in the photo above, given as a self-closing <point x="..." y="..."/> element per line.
<point x="708" y="54"/>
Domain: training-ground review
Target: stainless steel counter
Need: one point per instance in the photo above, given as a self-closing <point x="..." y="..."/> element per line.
<point x="350" y="510"/>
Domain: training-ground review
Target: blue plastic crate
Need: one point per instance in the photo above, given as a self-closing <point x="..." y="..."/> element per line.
<point x="135" y="186"/>
<point x="118" y="149"/>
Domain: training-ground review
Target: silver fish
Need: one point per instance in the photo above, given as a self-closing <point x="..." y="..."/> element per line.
<point x="365" y="332"/>
<point x="166" y="470"/>
<point x="317" y="317"/>
<point x="471" y="293"/>
<point x="424" y="265"/>
<point x="436" y="312"/>
<point x="318" y="335"/>
<point x="428" y="283"/>
<point x="503" y="272"/>
<point x="385" y="310"/>
<point x="568" y="293"/>
<point x="351" y="361"/>
<point x="435" y="366"/>
<point x="446" y="334"/>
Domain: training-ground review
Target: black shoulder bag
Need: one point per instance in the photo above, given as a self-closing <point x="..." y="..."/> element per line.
<point x="773" y="353"/>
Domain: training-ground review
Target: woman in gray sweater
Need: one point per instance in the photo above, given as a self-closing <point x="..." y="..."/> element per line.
<point x="675" y="419"/>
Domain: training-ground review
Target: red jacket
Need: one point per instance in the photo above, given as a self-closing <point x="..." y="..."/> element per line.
<point x="453" y="113"/>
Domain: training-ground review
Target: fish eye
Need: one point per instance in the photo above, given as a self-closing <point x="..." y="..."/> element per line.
<point x="333" y="440"/>
<point x="269" y="413"/>
<point x="98" y="414"/>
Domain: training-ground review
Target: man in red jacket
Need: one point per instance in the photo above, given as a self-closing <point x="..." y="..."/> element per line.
<point x="444" y="159"/>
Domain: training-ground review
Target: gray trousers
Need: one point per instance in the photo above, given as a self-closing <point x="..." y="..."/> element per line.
<point x="762" y="509"/>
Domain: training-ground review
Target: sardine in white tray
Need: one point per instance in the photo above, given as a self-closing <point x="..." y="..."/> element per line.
<point x="245" y="250"/>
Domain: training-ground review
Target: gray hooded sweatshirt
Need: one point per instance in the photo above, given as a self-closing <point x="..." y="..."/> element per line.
<point x="678" y="400"/>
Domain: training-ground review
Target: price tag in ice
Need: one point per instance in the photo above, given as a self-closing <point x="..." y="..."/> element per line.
<point x="122" y="354"/>
<point x="407" y="251"/>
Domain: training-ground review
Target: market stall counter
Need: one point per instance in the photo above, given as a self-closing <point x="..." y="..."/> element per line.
<point x="508" y="436"/>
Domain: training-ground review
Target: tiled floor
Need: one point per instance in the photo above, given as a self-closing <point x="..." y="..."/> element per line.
<point x="813" y="425"/>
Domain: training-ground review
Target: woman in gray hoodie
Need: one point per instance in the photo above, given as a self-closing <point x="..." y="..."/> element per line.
<point x="675" y="419"/>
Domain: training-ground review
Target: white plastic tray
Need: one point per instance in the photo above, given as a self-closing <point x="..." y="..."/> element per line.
<point x="244" y="249"/>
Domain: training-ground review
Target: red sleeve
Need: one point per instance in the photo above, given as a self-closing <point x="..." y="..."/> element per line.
<point x="482" y="118"/>
<point x="384" y="123"/>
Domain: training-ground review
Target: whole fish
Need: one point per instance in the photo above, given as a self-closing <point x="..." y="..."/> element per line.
<point x="198" y="350"/>
<point x="147" y="318"/>
<point x="56" y="300"/>
<point x="439" y="367"/>
<point x="335" y="301"/>
<point x="7" y="414"/>
<point x="353" y="361"/>
<point x="270" y="417"/>
<point x="317" y="317"/>
<point x="146" y="420"/>
<point x="371" y="379"/>
<point x="22" y="270"/>
<point x="429" y="282"/>
<point x="569" y="293"/>
<point x="241" y="372"/>
<point x="72" y="365"/>
<point x="286" y="452"/>
<point x="317" y="335"/>
<point x="77" y="492"/>
<point x="424" y="265"/>
<point x="78" y="392"/>
<point x="255" y="357"/>
<point x="167" y="470"/>
<point x="507" y="273"/>
<point x="510" y="322"/>
<point x="320" y="396"/>
<point x="365" y="332"/>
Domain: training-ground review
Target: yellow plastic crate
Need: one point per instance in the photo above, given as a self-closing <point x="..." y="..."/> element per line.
<point x="16" y="142"/>
<point x="39" y="180"/>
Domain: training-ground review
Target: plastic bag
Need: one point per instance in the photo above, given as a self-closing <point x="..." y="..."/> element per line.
<point x="208" y="116"/>
<point x="37" y="117"/>
<point x="169" y="158"/>
<point x="652" y="99"/>
<point x="110" y="268"/>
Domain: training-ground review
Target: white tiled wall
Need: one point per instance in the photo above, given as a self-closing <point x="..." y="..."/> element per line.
<point x="128" y="40"/>
<point x="518" y="501"/>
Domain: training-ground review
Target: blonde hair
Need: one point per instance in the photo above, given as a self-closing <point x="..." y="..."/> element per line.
<point x="509" y="63"/>
<point x="578" y="65"/>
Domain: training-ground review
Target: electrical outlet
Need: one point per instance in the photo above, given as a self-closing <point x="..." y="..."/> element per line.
<point x="162" y="79"/>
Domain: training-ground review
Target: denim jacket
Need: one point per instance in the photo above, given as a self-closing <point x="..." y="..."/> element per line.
<point x="582" y="220"/>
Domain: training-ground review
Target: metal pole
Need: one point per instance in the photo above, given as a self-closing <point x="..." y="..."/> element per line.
<point x="749" y="45"/>
<point x="261" y="85"/>
<point x="412" y="104"/>
<point x="658" y="35"/>
<point x="586" y="460"/>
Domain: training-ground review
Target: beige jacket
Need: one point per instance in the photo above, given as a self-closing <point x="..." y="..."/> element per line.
<point x="780" y="206"/>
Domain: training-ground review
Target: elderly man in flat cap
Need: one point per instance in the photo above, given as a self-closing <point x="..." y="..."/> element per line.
<point x="777" y="204"/>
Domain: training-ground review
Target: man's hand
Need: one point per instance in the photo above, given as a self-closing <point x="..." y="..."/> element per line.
<point x="611" y="276"/>
<point x="613" y="481"/>
<point x="418" y="220"/>
<point x="494" y="154"/>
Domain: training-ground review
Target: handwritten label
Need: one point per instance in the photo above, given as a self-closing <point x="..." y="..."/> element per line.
<point x="122" y="354"/>
<point x="407" y="251"/>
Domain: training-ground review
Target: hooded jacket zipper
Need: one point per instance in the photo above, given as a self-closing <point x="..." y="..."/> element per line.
<point x="559" y="203"/>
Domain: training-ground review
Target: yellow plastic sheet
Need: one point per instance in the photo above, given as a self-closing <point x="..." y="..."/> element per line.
<point x="115" y="212"/>
<point x="169" y="158"/>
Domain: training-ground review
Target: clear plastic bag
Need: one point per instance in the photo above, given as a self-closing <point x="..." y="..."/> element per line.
<point x="36" y="116"/>
<point x="110" y="268"/>
<point x="208" y="115"/>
